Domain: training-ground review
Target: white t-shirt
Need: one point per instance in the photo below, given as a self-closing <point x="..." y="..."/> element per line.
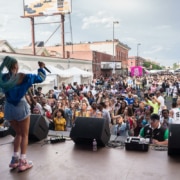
<point x="176" y="116"/>
<point x="161" y="100"/>
<point x="174" y="92"/>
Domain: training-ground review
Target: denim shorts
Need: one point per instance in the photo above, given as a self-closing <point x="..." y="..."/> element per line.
<point x="18" y="112"/>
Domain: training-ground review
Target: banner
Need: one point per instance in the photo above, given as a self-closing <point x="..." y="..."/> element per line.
<point x="136" y="71"/>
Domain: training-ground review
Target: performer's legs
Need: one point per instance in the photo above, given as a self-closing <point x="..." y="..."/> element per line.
<point x="21" y="141"/>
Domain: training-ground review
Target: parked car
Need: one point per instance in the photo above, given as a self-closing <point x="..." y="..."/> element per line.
<point x="177" y="71"/>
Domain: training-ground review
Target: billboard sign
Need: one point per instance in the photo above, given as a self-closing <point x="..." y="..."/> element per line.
<point x="46" y="7"/>
<point x="110" y="65"/>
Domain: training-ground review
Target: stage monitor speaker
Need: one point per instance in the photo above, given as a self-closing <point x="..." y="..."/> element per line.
<point x="85" y="129"/>
<point x="38" y="128"/>
<point x="174" y="140"/>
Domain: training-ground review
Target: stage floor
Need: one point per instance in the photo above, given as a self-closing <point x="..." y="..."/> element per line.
<point x="67" y="161"/>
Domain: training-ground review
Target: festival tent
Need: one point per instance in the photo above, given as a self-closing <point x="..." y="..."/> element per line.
<point x="58" y="74"/>
<point x="80" y="76"/>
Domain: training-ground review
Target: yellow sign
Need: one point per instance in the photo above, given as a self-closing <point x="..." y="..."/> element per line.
<point x="46" y="7"/>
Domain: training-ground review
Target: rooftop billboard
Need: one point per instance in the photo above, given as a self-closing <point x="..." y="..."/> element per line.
<point x="46" y="7"/>
<point x="110" y="65"/>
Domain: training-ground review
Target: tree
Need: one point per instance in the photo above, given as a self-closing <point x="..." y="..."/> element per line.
<point x="175" y="66"/>
<point x="150" y="65"/>
<point x="147" y="64"/>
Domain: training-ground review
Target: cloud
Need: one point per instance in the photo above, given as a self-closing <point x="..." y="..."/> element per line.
<point x="4" y="22"/>
<point x="154" y="49"/>
<point x="129" y="40"/>
<point x="101" y="18"/>
<point x="163" y="27"/>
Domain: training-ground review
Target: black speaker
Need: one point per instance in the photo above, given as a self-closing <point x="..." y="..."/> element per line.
<point x="174" y="140"/>
<point x="38" y="128"/>
<point x="85" y="129"/>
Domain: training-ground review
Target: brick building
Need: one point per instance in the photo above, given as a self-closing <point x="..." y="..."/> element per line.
<point x="135" y="61"/>
<point x="100" y="53"/>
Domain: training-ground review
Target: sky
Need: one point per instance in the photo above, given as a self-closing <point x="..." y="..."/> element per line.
<point x="154" y="24"/>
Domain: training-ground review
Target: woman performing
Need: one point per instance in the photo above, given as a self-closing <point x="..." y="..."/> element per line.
<point x="16" y="109"/>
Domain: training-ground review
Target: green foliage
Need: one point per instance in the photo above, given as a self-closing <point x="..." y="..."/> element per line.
<point x="146" y="64"/>
<point x="175" y="66"/>
<point x="150" y="65"/>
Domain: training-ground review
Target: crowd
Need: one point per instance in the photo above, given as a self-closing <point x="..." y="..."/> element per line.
<point x="133" y="106"/>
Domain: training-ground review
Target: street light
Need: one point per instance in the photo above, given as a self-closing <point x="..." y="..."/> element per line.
<point x="114" y="22"/>
<point x="138" y="51"/>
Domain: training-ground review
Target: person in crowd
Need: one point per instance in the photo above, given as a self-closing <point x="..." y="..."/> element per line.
<point x="36" y="107"/>
<point x="83" y="112"/>
<point x="85" y="89"/>
<point x="58" y="105"/>
<point x="160" y="98"/>
<point x="122" y="108"/>
<point x="1" y="115"/>
<point x="135" y="105"/>
<point x="63" y="85"/>
<point x="76" y="98"/>
<point x="139" y="115"/>
<point x="153" y="89"/>
<point x="144" y="82"/>
<point x="121" y="128"/>
<point x="65" y="103"/>
<point x="56" y="92"/>
<point x="147" y="115"/>
<point x="117" y="104"/>
<point x="138" y="83"/>
<point x="94" y="110"/>
<point x="62" y="95"/>
<point x="129" y="117"/>
<point x="59" y="120"/>
<point x="99" y="97"/>
<point x="39" y="92"/>
<point x="157" y="134"/>
<point x="175" y="113"/>
<point x="46" y="107"/>
<point x="129" y="82"/>
<point x="90" y="97"/>
<point x="166" y="86"/>
<point x="166" y="120"/>
<point x="129" y="98"/>
<point x="154" y="102"/>
<point x="16" y="109"/>
<point x="174" y="92"/>
<point x="108" y="105"/>
<point x="105" y="113"/>
<point x="114" y="90"/>
<point x="70" y="114"/>
<point x="51" y="99"/>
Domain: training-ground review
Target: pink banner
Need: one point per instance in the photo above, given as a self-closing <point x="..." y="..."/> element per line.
<point x="136" y="71"/>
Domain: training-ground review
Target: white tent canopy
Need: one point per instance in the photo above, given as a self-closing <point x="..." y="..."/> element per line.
<point x="57" y="74"/>
<point x="80" y="76"/>
<point x="76" y="71"/>
<point x="56" y="71"/>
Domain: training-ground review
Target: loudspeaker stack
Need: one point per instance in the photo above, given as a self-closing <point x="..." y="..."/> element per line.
<point x="85" y="129"/>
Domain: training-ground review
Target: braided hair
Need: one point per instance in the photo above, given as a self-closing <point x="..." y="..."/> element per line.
<point x="8" y="83"/>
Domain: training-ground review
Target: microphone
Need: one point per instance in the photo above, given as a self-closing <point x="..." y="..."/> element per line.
<point x="45" y="68"/>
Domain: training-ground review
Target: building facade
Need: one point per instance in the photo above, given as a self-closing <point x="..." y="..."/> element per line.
<point x="104" y="60"/>
<point x="135" y="61"/>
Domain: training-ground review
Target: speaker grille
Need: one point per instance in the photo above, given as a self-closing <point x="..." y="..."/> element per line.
<point x="85" y="129"/>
